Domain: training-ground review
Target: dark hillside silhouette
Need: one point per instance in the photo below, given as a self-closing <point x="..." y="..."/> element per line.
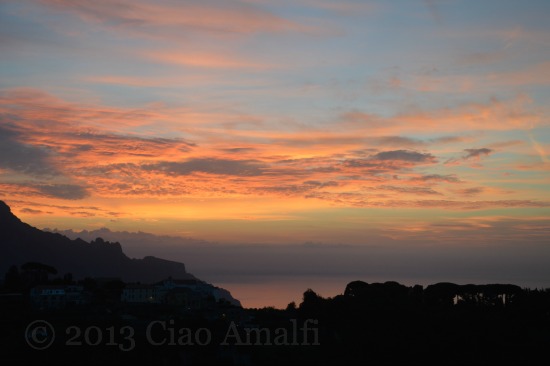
<point x="21" y="243"/>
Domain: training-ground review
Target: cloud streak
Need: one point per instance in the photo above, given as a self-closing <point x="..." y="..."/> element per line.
<point x="404" y="155"/>
<point x="242" y="168"/>
<point x="23" y="158"/>
<point x="476" y="153"/>
<point x="172" y="19"/>
<point x="63" y="191"/>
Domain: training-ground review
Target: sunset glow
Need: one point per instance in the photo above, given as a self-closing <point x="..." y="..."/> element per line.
<point x="279" y="122"/>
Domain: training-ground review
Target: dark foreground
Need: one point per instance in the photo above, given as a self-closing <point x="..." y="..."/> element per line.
<point x="443" y="324"/>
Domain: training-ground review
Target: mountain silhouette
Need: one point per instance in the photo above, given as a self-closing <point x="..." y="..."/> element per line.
<point x="21" y="243"/>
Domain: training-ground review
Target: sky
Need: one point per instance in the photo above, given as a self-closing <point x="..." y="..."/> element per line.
<point x="407" y="124"/>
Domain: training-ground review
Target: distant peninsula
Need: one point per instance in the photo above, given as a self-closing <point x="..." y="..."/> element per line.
<point x="22" y="243"/>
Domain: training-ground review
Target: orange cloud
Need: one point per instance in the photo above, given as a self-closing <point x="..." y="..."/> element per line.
<point x="88" y="154"/>
<point x="45" y="111"/>
<point x="496" y="115"/>
<point x="167" y="18"/>
<point x="204" y="60"/>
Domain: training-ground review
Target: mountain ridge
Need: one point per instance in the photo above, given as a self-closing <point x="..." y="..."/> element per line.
<point x="21" y="243"/>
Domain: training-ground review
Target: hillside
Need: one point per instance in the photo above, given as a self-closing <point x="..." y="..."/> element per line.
<point x="21" y="243"/>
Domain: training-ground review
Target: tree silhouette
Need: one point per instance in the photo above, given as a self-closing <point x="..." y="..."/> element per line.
<point x="356" y="289"/>
<point x="37" y="273"/>
<point x="36" y="266"/>
<point x="291" y="306"/>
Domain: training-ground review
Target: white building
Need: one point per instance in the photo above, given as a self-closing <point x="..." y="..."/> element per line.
<point x="48" y="297"/>
<point x="141" y="294"/>
<point x="57" y="296"/>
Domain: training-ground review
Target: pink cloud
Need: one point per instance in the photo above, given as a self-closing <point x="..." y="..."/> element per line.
<point x="495" y="115"/>
<point x="204" y="60"/>
<point x="93" y="155"/>
<point x="176" y="19"/>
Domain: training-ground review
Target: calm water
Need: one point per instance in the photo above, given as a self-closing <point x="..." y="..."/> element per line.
<point x="279" y="291"/>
